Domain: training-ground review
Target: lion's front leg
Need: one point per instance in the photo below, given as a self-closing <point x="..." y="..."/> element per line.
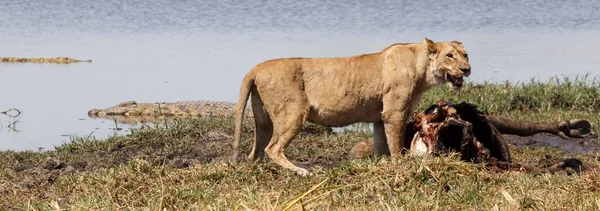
<point x="395" y="123"/>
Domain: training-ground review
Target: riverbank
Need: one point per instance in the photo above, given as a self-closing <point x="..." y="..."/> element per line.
<point x="184" y="165"/>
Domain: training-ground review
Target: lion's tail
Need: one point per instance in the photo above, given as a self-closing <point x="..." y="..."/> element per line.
<point x="247" y="84"/>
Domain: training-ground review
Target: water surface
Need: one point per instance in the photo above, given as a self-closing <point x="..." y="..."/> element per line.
<point x="160" y="50"/>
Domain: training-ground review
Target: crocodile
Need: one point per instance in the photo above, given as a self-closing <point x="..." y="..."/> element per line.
<point x="132" y="112"/>
<point x="200" y="108"/>
<point x="57" y="60"/>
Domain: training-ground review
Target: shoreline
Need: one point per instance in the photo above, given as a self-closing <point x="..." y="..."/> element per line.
<point x="184" y="165"/>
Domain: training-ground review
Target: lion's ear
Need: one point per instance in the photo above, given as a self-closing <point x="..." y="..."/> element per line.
<point x="458" y="43"/>
<point x="430" y="45"/>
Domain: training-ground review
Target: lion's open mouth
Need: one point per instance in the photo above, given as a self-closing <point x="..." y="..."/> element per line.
<point x="456" y="81"/>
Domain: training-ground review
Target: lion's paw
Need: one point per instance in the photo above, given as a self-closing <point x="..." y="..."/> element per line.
<point x="303" y="172"/>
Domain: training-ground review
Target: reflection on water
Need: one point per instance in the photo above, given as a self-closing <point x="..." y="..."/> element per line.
<point x="10" y="125"/>
<point x="170" y="51"/>
<point x="11" y="112"/>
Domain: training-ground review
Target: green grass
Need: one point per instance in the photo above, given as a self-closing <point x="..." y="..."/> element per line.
<point x="580" y="94"/>
<point x="185" y="166"/>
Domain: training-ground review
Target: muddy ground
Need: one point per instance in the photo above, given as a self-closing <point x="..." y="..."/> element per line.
<point x="312" y="150"/>
<point x="570" y="146"/>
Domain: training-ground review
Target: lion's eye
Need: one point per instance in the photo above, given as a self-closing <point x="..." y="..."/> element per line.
<point x="449" y="55"/>
<point x="466" y="56"/>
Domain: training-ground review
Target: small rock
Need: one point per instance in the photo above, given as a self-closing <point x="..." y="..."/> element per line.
<point x="362" y="149"/>
<point x="69" y="170"/>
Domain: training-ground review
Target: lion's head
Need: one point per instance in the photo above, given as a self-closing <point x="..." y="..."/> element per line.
<point x="449" y="62"/>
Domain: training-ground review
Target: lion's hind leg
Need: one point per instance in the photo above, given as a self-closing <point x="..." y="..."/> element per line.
<point x="264" y="128"/>
<point x="281" y="89"/>
<point x="380" y="145"/>
<point x="289" y="124"/>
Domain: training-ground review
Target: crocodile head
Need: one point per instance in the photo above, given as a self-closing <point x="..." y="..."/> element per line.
<point x="128" y="108"/>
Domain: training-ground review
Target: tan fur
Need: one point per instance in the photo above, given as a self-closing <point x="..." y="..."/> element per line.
<point x="381" y="88"/>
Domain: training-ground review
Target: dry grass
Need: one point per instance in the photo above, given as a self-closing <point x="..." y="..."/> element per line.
<point x="184" y="166"/>
<point x="411" y="183"/>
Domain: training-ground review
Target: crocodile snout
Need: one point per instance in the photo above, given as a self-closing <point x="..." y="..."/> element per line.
<point x="93" y="113"/>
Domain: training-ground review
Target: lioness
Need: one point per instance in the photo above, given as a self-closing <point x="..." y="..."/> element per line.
<point x="382" y="88"/>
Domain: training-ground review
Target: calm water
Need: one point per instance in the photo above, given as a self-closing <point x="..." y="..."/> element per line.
<point x="159" y="50"/>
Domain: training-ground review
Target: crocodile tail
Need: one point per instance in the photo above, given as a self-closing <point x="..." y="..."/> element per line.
<point x="247" y="84"/>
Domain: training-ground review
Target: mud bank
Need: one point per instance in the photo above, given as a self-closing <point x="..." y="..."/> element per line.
<point x="180" y="145"/>
<point x="570" y="146"/>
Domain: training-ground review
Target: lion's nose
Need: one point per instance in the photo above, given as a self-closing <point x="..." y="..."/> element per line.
<point x="466" y="70"/>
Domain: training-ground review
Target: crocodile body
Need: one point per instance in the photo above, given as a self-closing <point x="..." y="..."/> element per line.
<point x="57" y="60"/>
<point x="131" y="112"/>
<point x="164" y="109"/>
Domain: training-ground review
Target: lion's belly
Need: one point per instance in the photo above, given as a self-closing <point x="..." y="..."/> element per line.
<point x="338" y="116"/>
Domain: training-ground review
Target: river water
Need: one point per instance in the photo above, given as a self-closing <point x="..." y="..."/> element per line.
<point x="159" y="50"/>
